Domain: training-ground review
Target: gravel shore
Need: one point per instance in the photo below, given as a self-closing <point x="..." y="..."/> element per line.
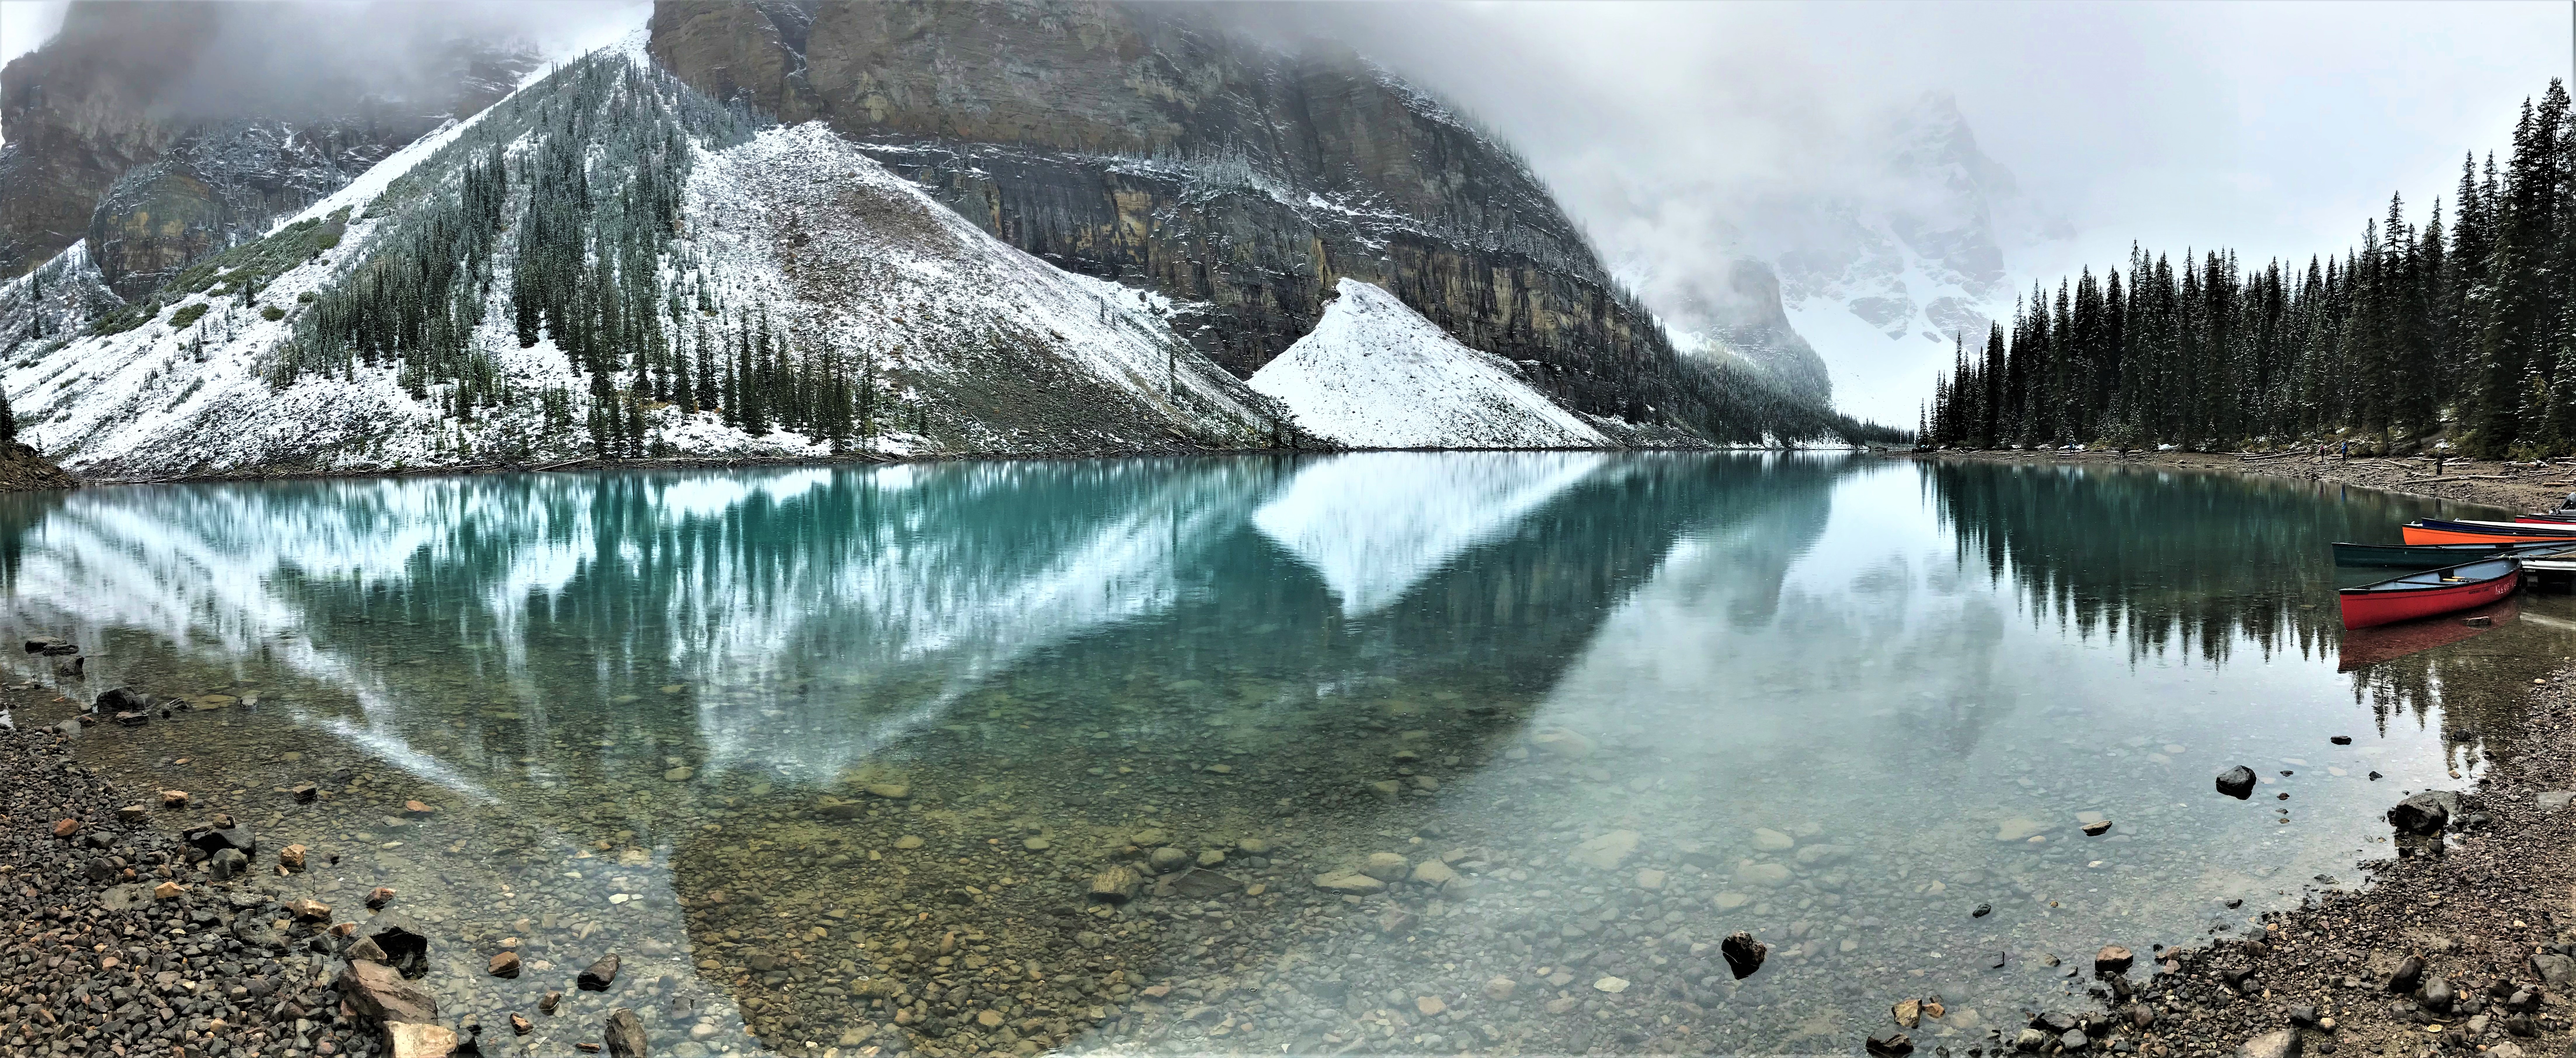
<point x="2514" y="486"/>
<point x="2482" y="912"/>
<point x="118" y="945"/>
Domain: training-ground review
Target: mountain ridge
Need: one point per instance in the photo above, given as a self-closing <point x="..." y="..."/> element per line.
<point x="1145" y="143"/>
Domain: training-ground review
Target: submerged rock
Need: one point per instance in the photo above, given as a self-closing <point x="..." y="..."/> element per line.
<point x="1200" y="884"/>
<point x="1348" y="882"/>
<point x="1386" y="867"/>
<point x="405" y="942"/>
<point x="625" y="1034"/>
<point x="599" y="975"/>
<point x="1117" y="885"/>
<point x="1608" y="851"/>
<point x="1743" y="954"/>
<point x="224" y="832"/>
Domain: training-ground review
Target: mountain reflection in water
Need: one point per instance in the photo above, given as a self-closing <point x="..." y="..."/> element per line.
<point x="1811" y="696"/>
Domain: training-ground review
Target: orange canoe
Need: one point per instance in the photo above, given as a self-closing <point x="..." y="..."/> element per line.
<point x="2431" y="531"/>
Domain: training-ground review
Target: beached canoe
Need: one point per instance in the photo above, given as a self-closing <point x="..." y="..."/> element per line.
<point x="2436" y="531"/>
<point x="2430" y="593"/>
<point x="2435" y="556"/>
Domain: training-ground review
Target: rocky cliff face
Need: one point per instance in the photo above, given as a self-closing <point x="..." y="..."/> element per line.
<point x="1143" y="144"/>
<point x="114" y="135"/>
<point x="1741" y="316"/>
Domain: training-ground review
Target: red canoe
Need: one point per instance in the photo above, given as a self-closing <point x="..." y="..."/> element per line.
<point x="2433" y="591"/>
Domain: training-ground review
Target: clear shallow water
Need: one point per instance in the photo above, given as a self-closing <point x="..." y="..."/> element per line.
<point x="647" y="709"/>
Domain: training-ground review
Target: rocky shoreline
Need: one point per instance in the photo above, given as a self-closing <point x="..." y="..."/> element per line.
<point x="2460" y="946"/>
<point x="123" y="942"/>
<point x="2486" y="483"/>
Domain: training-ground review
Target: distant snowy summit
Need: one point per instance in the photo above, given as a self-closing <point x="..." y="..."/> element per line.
<point x="1376" y="374"/>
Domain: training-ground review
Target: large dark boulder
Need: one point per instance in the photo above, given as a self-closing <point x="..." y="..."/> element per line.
<point x="404" y="941"/>
<point x="225" y="832"/>
<point x="2237" y="782"/>
<point x="2424" y="813"/>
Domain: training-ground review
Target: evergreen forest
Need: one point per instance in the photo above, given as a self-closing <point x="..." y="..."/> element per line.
<point x="2457" y="331"/>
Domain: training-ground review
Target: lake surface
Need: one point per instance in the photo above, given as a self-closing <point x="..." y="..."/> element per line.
<point x="1607" y="708"/>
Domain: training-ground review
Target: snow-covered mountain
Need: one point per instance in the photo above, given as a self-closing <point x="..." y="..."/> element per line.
<point x="1850" y="282"/>
<point x="620" y="265"/>
<point x="1884" y="277"/>
<point x="1375" y="374"/>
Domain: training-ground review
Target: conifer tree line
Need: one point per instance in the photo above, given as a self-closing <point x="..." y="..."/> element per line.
<point x="580" y="219"/>
<point x="2461" y="332"/>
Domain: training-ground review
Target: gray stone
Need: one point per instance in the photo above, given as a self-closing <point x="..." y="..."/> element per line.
<point x="1386" y="867"/>
<point x="1819" y="855"/>
<point x="599" y="975"/>
<point x="225" y="833"/>
<point x="1200" y="884"/>
<point x="2237" y="782"/>
<point x="1348" y="882"/>
<point x="1609" y="850"/>
<point x="1167" y="859"/>
<point x="1766" y="875"/>
<point x="2552" y="800"/>
<point x="2278" y="1043"/>
<point x="625" y="1034"/>
<point x="379" y="993"/>
<point x="2554" y="969"/>
<point x="1117" y="885"/>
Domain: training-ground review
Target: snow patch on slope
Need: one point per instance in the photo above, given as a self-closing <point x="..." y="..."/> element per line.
<point x="1375" y="374"/>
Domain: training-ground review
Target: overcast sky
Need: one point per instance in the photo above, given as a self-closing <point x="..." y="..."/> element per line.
<point x="2273" y="128"/>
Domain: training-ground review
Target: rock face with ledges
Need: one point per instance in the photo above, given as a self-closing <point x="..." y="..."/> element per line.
<point x="1137" y="142"/>
<point x="131" y="129"/>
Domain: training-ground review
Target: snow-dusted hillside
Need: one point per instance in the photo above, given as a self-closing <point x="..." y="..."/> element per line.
<point x="1375" y="374"/>
<point x="820" y="303"/>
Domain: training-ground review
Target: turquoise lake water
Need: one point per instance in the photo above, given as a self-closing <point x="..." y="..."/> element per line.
<point x="1607" y="708"/>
